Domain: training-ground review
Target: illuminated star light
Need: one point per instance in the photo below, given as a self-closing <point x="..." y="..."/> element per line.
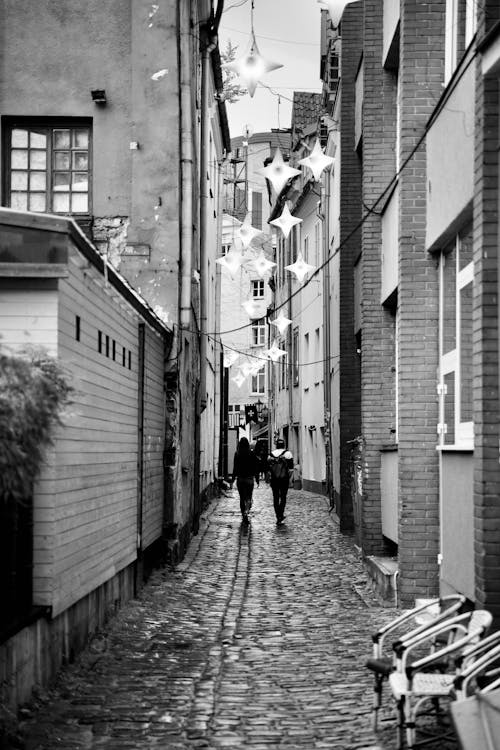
<point x="256" y="367"/>
<point x="239" y="379"/>
<point x="300" y="268"/>
<point x="245" y="368"/>
<point x="232" y="261"/>
<point x="159" y="74"/>
<point x="274" y="353"/>
<point x="253" y="309"/>
<point x="317" y="161"/>
<point x="246" y="232"/>
<point x="252" y="66"/>
<point x="286" y="221"/>
<point x="278" y="173"/>
<point x="281" y="322"/>
<point x="335" y="9"/>
<point x="262" y="265"/>
<point x="230" y="358"/>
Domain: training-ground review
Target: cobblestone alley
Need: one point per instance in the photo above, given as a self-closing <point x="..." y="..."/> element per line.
<point x="256" y="640"/>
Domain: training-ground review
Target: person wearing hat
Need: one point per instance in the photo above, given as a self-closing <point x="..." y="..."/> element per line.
<point x="280" y="463"/>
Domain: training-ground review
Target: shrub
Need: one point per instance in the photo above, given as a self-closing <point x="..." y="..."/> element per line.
<point x="33" y="390"/>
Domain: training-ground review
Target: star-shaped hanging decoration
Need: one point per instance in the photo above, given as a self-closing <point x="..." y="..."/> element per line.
<point x="232" y="261"/>
<point x="278" y="172"/>
<point x="274" y="353"/>
<point x="230" y="358"/>
<point x="300" y="268"/>
<point x="317" y="161"/>
<point x="335" y="9"/>
<point x="286" y="221"/>
<point x="245" y="368"/>
<point x="239" y="379"/>
<point x="262" y="265"/>
<point x="256" y="367"/>
<point x="252" y="66"/>
<point x="281" y="322"/>
<point x="253" y="309"/>
<point x="246" y="232"/>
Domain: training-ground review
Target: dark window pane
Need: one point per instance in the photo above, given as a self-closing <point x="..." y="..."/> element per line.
<point x="449" y="303"/>
<point x="449" y="408"/>
<point x="61" y="182"/>
<point x="61" y="160"/>
<point x="61" y="139"/>
<point x="466" y="353"/>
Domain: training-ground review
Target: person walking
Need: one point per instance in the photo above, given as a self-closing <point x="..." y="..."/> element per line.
<point x="245" y="471"/>
<point x="280" y="464"/>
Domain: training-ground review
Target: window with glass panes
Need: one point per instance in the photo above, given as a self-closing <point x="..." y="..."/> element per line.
<point x="49" y="168"/>
<point x="259" y="332"/>
<point x="258" y="289"/>
<point x="295" y="355"/>
<point x="259" y="381"/>
<point x="455" y="387"/>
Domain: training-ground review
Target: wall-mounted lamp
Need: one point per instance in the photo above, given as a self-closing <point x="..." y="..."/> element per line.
<point x="99" y="96"/>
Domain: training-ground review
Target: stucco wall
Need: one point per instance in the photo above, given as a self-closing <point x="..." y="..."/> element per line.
<point x="116" y="46"/>
<point x="450" y="160"/>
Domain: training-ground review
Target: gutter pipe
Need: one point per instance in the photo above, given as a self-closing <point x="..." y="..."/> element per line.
<point x="209" y="44"/>
<point x="186" y="162"/>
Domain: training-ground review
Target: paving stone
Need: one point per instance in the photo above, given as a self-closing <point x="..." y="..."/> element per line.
<point x="257" y="639"/>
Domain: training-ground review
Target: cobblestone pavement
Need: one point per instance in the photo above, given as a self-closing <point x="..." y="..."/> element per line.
<point x="256" y="640"/>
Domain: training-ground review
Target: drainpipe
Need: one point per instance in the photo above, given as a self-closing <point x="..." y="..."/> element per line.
<point x="209" y="44"/>
<point x="187" y="165"/>
<point x="325" y="220"/>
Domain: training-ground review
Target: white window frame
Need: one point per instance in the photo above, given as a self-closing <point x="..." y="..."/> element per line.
<point x="258" y="333"/>
<point x="450" y="39"/>
<point x="317" y="235"/>
<point x="258" y="383"/>
<point x="258" y="289"/>
<point x="450" y="361"/>
<point x="470" y="21"/>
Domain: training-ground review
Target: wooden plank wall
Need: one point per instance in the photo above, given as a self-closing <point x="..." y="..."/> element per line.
<point x="96" y="454"/>
<point x="154" y="432"/>
<point x="96" y="488"/>
<point x="86" y="498"/>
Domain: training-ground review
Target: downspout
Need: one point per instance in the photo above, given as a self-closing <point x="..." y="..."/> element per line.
<point x="209" y="44"/>
<point x="186" y="162"/>
<point x="325" y="219"/>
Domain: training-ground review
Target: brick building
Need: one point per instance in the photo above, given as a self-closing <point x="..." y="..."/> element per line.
<point x="415" y="230"/>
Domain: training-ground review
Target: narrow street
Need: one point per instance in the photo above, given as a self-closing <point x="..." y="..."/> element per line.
<point x="257" y="640"/>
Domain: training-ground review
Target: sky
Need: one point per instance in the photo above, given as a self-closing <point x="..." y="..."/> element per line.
<point x="287" y="32"/>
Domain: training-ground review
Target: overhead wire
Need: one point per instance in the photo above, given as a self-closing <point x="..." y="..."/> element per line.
<point x="369" y="210"/>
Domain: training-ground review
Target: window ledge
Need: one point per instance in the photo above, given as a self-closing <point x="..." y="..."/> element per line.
<point x="466" y="448"/>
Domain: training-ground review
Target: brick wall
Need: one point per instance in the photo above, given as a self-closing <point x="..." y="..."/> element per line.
<point x="485" y="338"/>
<point x="350" y="215"/>
<point x="377" y="358"/>
<point x="421" y="75"/>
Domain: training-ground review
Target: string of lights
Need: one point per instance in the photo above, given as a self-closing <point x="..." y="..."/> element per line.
<point x="369" y="210"/>
<point x="264" y="360"/>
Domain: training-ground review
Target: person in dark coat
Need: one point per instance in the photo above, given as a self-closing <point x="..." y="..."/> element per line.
<point x="280" y="463"/>
<point x="245" y="471"/>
